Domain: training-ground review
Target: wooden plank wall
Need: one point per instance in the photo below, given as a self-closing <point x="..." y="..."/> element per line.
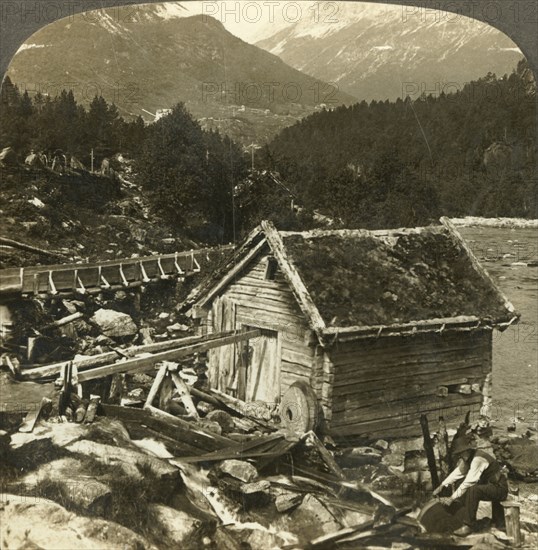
<point x="381" y="386"/>
<point x="270" y="304"/>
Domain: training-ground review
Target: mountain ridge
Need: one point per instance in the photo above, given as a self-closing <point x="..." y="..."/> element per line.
<point x="150" y="63"/>
<point x="374" y="53"/>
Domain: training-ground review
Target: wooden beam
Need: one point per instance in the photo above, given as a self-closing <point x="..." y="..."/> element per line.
<point x="49" y="371"/>
<point x="65" y="321"/>
<point x="169" y="426"/>
<point x="290" y="272"/>
<point x="145" y="363"/>
<point x="185" y="395"/>
<point x="29" y="248"/>
<point x="154" y="390"/>
<point x="428" y="447"/>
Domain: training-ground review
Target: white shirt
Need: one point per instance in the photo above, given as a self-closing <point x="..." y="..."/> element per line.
<point x="476" y="469"/>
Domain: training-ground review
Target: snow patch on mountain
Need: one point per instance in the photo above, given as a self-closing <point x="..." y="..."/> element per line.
<point x="30" y="47"/>
<point x="172" y="10"/>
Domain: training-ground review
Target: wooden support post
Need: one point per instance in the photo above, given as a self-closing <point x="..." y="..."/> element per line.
<point x="511" y="517"/>
<point x="444" y="459"/>
<point x="185" y="395"/>
<point x="165" y="395"/>
<point x="428" y="447"/>
<point x="154" y="390"/>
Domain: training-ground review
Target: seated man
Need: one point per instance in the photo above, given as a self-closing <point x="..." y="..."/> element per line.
<point x="482" y="480"/>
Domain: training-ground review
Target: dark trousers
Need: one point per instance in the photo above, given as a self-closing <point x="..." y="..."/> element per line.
<point x="493" y="492"/>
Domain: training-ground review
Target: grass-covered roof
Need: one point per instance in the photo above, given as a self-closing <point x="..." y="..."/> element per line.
<point x="361" y="278"/>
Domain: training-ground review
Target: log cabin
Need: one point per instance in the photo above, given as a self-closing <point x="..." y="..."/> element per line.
<point x="379" y="326"/>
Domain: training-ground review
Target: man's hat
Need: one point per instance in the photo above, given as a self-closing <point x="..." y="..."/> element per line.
<point x="461" y="445"/>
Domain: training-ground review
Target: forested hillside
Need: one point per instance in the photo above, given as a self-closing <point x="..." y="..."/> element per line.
<point x="383" y="164"/>
<point x="405" y="162"/>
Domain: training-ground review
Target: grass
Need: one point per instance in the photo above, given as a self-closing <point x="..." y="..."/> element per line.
<point x="364" y="281"/>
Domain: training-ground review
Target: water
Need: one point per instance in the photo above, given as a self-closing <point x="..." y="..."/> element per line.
<point x="515" y="351"/>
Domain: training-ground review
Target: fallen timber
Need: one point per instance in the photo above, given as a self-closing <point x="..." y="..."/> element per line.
<point x="146" y="363"/>
<point x="92" y="278"/>
<point x="105" y="359"/>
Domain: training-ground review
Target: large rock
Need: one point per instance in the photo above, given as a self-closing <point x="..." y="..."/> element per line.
<point x="86" y="493"/>
<point x="225" y="420"/>
<point x="128" y="459"/>
<point x="40" y="523"/>
<point x="114" y="324"/>
<point x="312" y="517"/>
<point x="238" y="469"/>
<point x="179" y="527"/>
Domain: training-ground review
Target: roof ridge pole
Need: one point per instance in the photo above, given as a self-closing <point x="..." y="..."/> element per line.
<point x="305" y="301"/>
<point x="456" y="235"/>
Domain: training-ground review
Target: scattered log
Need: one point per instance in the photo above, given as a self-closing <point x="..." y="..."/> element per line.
<point x="325" y="455"/>
<point x="155" y="387"/>
<point x="511" y="516"/>
<point x="239" y="407"/>
<point x="170" y="426"/>
<point x="117" y="388"/>
<point x="14" y="366"/>
<point x="189" y="427"/>
<point x="48" y="371"/>
<point x="145" y="363"/>
<point x="185" y="396"/>
<point x="29" y="248"/>
<point x="428" y="447"/>
<point x="80" y="411"/>
<point x="31" y="418"/>
<point x="165" y="397"/>
<point x="91" y="412"/>
<point x="64" y="321"/>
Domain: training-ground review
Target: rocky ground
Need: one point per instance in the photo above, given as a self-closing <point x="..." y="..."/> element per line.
<point x="82" y="216"/>
<point x="70" y="485"/>
<point x="107" y="484"/>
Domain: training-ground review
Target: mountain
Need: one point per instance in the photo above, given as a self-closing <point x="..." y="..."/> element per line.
<point x="384" y="52"/>
<point x="155" y="58"/>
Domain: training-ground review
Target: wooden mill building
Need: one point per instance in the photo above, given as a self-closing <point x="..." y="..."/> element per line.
<point x="382" y="325"/>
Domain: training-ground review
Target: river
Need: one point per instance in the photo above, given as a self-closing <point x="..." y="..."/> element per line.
<point x="504" y="252"/>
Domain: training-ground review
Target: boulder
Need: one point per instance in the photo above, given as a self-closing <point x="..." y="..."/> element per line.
<point x="40" y="523"/>
<point x="130" y="460"/>
<point x="287" y="501"/>
<point x="225" y="420"/>
<point x="179" y="528"/>
<point x="264" y="538"/>
<point x="204" y="408"/>
<point x="114" y="324"/>
<point x="238" y="469"/>
<point x="254" y="487"/>
<point x="86" y="493"/>
<point x="312" y="518"/>
<point x="210" y="425"/>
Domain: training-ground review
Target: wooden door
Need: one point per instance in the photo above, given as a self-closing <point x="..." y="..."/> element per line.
<point x="222" y="364"/>
<point x="263" y="369"/>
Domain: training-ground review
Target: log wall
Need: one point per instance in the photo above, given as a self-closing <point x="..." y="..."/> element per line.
<point x="381" y="386"/>
<point x="268" y="304"/>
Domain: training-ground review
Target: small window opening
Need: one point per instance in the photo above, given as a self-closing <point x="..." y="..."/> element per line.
<point x="270" y="270"/>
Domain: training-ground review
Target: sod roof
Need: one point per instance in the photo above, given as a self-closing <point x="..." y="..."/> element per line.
<point x="361" y="278"/>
